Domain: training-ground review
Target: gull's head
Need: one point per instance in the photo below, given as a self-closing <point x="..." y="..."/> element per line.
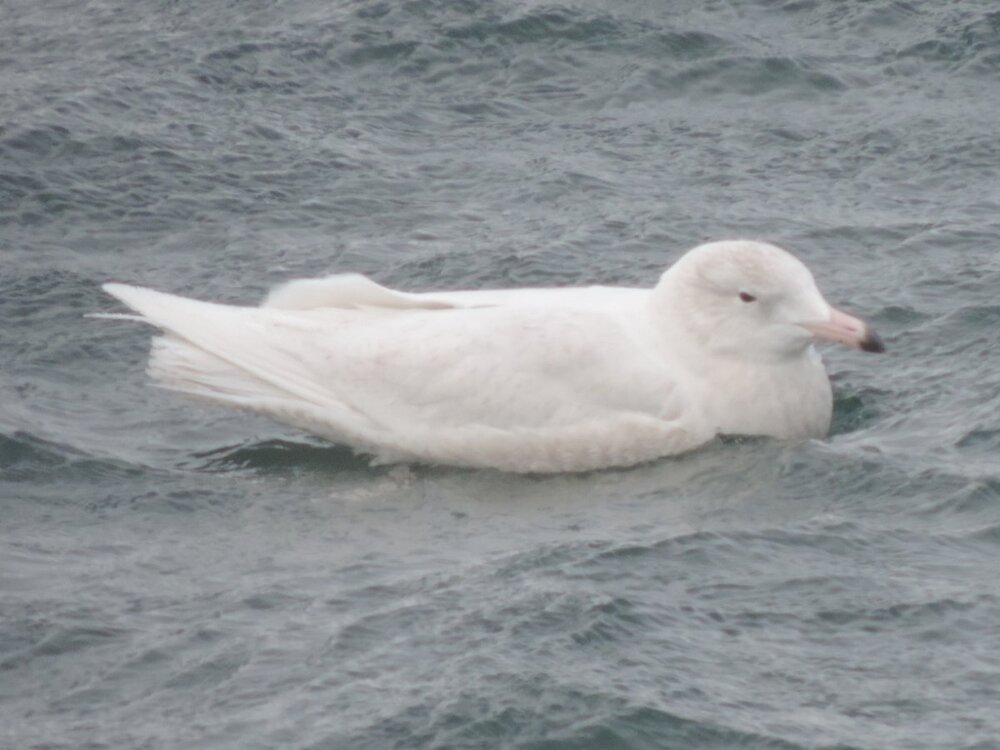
<point x="756" y="300"/>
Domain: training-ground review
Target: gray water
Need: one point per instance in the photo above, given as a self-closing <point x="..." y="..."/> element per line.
<point x="177" y="576"/>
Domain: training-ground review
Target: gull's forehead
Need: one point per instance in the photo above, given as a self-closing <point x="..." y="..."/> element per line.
<point x="743" y="263"/>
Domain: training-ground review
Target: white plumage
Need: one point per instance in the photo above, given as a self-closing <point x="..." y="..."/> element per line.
<point x="527" y="380"/>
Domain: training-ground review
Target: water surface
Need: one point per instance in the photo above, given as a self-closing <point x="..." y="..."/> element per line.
<point x="173" y="575"/>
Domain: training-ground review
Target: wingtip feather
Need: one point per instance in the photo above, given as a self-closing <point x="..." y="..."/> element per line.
<point x="125" y="293"/>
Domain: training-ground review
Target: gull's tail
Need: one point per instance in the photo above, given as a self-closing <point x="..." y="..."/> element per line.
<point x="240" y="356"/>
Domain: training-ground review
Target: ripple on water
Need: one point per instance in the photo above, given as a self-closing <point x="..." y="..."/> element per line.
<point x="281" y="457"/>
<point x="24" y="458"/>
<point x="179" y="576"/>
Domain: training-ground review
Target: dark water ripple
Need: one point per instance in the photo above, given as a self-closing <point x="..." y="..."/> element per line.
<point x="171" y="575"/>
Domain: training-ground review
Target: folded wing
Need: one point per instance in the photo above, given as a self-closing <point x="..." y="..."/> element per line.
<point x="409" y="377"/>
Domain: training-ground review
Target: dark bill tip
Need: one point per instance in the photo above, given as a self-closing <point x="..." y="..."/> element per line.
<point x="872" y="342"/>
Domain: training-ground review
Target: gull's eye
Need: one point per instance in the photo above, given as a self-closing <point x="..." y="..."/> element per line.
<point x="746" y="297"/>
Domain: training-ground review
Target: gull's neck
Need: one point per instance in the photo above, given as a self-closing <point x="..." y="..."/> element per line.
<point x="785" y="395"/>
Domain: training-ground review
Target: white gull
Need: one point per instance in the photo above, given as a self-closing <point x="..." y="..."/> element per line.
<point x="524" y="380"/>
